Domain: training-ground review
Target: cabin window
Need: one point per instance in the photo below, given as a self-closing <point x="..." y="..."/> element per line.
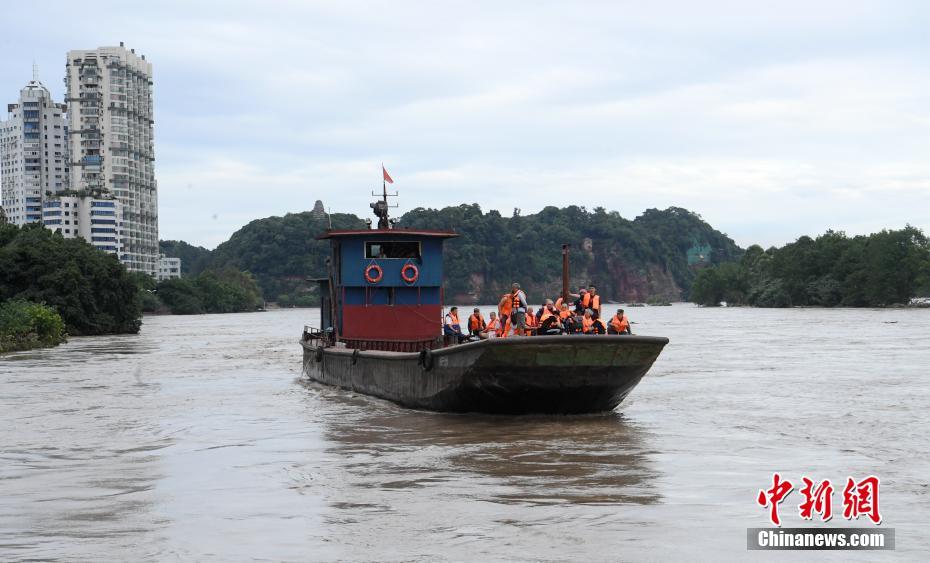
<point x="393" y="249"/>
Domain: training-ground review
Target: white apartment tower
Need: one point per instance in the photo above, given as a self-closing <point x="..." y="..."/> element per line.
<point x="33" y="153"/>
<point x="109" y="95"/>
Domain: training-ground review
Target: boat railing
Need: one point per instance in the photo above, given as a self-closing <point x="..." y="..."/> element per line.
<point x="317" y="337"/>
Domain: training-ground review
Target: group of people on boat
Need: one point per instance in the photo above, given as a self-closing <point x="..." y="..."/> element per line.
<point x="514" y="317"/>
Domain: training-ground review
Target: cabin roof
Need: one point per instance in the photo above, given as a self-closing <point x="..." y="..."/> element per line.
<point x="388" y="232"/>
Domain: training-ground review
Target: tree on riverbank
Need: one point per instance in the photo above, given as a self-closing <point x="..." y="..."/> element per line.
<point x="225" y="291"/>
<point x="881" y="269"/>
<point x="25" y="325"/>
<point x="91" y="290"/>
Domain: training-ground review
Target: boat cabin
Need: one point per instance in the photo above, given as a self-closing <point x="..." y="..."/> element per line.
<point x="384" y="288"/>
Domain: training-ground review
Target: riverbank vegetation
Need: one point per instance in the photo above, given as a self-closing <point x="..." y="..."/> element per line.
<point x="90" y="290"/>
<point x="25" y="325"/>
<point x="224" y="291"/>
<point x="878" y="270"/>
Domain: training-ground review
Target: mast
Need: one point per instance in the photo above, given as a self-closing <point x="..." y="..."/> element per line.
<point x="565" y="273"/>
<point x="381" y="206"/>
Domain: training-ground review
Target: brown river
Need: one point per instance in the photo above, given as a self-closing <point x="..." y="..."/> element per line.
<point x="197" y="440"/>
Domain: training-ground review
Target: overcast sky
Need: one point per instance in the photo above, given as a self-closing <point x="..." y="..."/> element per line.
<point x="770" y="119"/>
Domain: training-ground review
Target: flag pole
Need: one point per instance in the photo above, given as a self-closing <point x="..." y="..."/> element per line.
<point x="384" y="192"/>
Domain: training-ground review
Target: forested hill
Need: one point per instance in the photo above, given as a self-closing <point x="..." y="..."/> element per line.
<point x="654" y="256"/>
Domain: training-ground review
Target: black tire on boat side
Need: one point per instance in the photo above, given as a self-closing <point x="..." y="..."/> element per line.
<point x="318" y="356"/>
<point x="355" y="356"/>
<point x="426" y="359"/>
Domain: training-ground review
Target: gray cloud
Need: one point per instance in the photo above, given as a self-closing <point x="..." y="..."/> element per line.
<point x="770" y="121"/>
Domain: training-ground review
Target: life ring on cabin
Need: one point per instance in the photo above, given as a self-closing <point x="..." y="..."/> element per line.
<point x="376" y="277"/>
<point x="410" y="277"/>
<point x="426" y="359"/>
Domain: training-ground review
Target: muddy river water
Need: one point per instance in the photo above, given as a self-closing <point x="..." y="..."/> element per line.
<point x="196" y="440"/>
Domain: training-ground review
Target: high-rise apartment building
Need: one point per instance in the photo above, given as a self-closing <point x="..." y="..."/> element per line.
<point x="92" y="218"/>
<point x="33" y="153"/>
<point x="109" y="95"/>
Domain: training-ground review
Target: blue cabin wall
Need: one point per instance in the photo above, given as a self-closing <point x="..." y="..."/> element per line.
<point x="353" y="262"/>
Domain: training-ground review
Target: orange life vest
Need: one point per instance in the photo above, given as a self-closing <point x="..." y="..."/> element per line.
<point x="586" y="324"/>
<point x="546" y="313"/>
<point x="475" y="322"/>
<point x="586" y="300"/>
<point x="620" y="324"/>
<point x="558" y="303"/>
<point x="564" y="314"/>
<point x="530" y="320"/>
<point x="600" y="323"/>
<point x="595" y="303"/>
<point x="494" y="325"/>
<point x="506" y="304"/>
<point x="515" y="300"/>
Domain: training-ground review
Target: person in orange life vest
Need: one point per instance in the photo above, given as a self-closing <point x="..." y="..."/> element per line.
<point x="549" y="322"/>
<point x="586" y="322"/>
<point x="493" y="328"/>
<point x="594" y="301"/>
<point x="619" y="324"/>
<point x="476" y="323"/>
<point x="582" y="302"/>
<point x="504" y="307"/>
<point x="598" y="327"/>
<point x="518" y="309"/>
<point x="532" y="322"/>
<point x="451" y="327"/>
<point x="506" y="328"/>
<point x="566" y="318"/>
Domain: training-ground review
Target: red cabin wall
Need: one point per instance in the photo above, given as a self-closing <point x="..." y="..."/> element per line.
<point x="391" y="322"/>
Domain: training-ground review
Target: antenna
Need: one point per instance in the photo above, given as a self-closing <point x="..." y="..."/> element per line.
<point x="35" y="72"/>
<point x="381" y="206"/>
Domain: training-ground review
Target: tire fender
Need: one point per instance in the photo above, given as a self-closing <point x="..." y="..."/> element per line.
<point x="426" y="359"/>
<point x="355" y="354"/>
<point x="318" y="355"/>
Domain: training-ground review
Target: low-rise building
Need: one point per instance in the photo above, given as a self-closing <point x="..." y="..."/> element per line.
<point x="168" y="268"/>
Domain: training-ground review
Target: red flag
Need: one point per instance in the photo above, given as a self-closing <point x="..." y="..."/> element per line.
<point x="387" y="177"/>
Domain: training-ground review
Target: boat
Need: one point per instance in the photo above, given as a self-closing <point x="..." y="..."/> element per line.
<point x="381" y="335"/>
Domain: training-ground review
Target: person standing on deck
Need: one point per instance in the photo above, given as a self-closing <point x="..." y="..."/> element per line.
<point x="594" y="302"/>
<point x="582" y="302"/>
<point x="504" y="307"/>
<point x="476" y="324"/>
<point x="619" y="324"/>
<point x="518" y="310"/>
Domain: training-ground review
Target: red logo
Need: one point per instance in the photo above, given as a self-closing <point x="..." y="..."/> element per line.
<point x="859" y="498"/>
<point x="817" y="499"/>
<point x="772" y="497"/>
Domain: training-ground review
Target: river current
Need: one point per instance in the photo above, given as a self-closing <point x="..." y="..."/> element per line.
<point x="197" y="440"/>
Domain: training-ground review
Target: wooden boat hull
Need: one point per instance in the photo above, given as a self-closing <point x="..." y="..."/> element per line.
<point x="540" y="374"/>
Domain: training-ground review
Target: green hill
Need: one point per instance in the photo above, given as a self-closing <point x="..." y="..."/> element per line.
<point x="656" y="255"/>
